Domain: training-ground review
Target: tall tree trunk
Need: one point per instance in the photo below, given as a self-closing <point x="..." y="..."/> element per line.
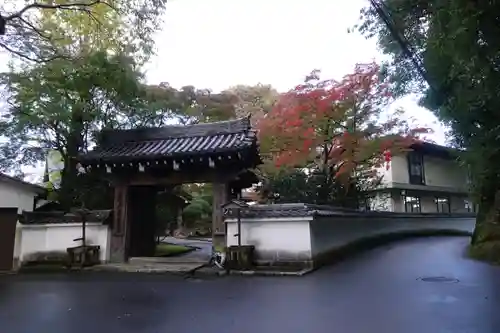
<point x="69" y="195"/>
<point x="324" y="191"/>
<point x="489" y="207"/>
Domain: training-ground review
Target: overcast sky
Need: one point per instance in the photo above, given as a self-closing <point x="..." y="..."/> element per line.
<point x="219" y="43"/>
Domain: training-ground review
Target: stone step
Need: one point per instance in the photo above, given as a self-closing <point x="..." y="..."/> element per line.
<point x="179" y="268"/>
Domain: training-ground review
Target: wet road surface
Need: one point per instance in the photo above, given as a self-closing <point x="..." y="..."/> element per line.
<point x="376" y="292"/>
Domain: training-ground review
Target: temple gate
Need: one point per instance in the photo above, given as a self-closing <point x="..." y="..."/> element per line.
<point x="139" y="162"/>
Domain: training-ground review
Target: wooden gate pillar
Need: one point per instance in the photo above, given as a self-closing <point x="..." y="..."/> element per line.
<point x="221" y="195"/>
<point x="119" y="230"/>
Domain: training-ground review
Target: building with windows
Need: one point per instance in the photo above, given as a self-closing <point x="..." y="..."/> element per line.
<point x="428" y="179"/>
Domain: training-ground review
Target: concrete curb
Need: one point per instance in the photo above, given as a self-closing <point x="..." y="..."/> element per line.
<point x="211" y="271"/>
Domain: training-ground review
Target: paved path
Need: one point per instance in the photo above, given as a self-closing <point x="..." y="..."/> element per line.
<point x="377" y="292"/>
<point x="204" y="247"/>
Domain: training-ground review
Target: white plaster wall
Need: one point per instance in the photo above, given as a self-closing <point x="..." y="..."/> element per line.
<point x="329" y="233"/>
<point x="58" y="237"/>
<point x="399" y="169"/>
<point x="288" y="240"/>
<point x="275" y="240"/>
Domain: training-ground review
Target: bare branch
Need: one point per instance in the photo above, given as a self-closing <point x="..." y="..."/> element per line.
<point x="66" y="6"/>
<point x="37" y="31"/>
<point x="17" y="53"/>
<point x="20" y="44"/>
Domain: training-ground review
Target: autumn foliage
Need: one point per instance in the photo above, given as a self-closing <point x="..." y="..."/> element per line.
<point x="336" y="124"/>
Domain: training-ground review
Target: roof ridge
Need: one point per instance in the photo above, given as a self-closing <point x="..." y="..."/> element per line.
<point x="144" y="134"/>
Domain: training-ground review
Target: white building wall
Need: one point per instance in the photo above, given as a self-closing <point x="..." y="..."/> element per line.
<point x="437" y="172"/>
<point x="16" y="196"/>
<point x="447" y="173"/>
<point x="399" y="169"/>
<point x="441" y="176"/>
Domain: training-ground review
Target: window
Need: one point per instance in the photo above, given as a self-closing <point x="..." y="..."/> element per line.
<point x="442" y="205"/>
<point x="412" y="204"/>
<point x="416" y="168"/>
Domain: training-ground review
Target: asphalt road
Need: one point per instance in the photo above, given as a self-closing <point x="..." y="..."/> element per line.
<point x="376" y="292"/>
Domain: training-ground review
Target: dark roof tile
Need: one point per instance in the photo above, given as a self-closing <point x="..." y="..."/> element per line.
<point x="292" y="210"/>
<point x="173" y="141"/>
<point x="112" y="137"/>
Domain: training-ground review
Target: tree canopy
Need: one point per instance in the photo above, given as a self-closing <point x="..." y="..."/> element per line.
<point x="456" y="42"/>
<point x="336" y="128"/>
<point x="45" y="30"/>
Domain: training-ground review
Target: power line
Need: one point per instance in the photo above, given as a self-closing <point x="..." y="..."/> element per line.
<point x="384" y="14"/>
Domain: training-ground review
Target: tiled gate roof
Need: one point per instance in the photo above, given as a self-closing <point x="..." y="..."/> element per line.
<point x="145" y="144"/>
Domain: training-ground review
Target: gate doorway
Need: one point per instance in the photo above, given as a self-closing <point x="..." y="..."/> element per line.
<point x="8" y="220"/>
<point x="139" y="160"/>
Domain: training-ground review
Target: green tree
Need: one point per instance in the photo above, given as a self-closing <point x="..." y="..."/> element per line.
<point x="198" y="210"/>
<point x="46" y="30"/>
<point x="62" y="105"/>
<point x="256" y="101"/>
<point x="190" y="105"/>
<point x="307" y="186"/>
<point x="456" y="42"/>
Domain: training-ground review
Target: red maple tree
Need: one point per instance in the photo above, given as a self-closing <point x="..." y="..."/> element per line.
<point x="336" y="125"/>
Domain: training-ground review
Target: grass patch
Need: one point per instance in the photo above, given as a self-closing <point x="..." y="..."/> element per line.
<point x="167" y="250"/>
<point x="219" y="248"/>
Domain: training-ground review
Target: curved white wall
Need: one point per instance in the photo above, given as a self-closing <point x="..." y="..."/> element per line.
<point x="300" y="240"/>
<point x="329" y="233"/>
